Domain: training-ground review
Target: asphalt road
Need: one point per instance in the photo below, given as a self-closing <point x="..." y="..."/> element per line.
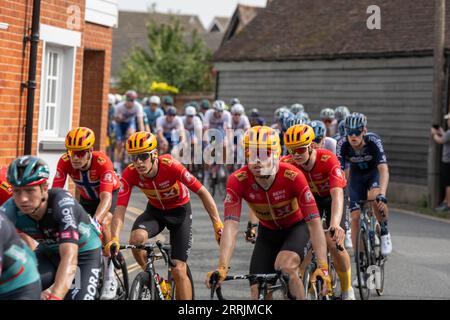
<point x="418" y="268"/>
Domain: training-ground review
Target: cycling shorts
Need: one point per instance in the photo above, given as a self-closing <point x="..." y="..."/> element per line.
<point x="270" y="242"/>
<point x="90" y="206"/>
<point x="31" y="291"/>
<point x="86" y="279"/>
<point x="324" y="206"/>
<point x="122" y="128"/>
<point x="178" y="221"/>
<point x="360" y="183"/>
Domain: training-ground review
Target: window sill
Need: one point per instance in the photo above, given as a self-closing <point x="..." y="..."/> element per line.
<point x="52" y="145"/>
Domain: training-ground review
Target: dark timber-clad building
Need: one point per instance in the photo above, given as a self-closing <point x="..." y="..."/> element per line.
<point x="322" y="54"/>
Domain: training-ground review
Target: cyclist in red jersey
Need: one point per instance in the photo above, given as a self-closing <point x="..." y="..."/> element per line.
<point x="279" y="195"/>
<point x="165" y="182"/>
<point x="327" y="182"/>
<point x="6" y="190"/>
<point x="97" y="188"/>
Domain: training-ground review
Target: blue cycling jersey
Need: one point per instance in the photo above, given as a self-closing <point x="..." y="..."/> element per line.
<point x="366" y="159"/>
<point x="18" y="265"/>
<point x="153" y="115"/>
<point x="64" y="221"/>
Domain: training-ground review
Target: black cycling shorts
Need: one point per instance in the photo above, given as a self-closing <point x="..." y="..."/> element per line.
<point x="324" y="206"/>
<point x="31" y="291"/>
<point x="270" y="242"/>
<point x="178" y="221"/>
<point x="86" y="279"/>
<point x="90" y="206"/>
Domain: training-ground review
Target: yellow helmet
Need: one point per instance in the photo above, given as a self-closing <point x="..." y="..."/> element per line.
<point x="141" y="142"/>
<point x="263" y="137"/>
<point x="300" y="135"/>
<point x="81" y="138"/>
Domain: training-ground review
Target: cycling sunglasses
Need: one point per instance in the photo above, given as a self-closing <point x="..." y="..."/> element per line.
<point x="354" y="132"/>
<point x="78" y="154"/>
<point x="300" y="150"/>
<point x="141" y="156"/>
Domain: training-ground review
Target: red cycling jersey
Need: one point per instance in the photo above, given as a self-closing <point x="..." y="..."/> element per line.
<point x="285" y="203"/>
<point x="326" y="173"/>
<point x="100" y="177"/>
<point x="5" y="188"/>
<point x="167" y="190"/>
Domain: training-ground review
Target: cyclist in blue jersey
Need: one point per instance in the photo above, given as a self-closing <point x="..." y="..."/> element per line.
<point x="368" y="174"/>
<point x="19" y="276"/>
<point x="66" y="235"/>
<point x="153" y="111"/>
<point x="255" y="119"/>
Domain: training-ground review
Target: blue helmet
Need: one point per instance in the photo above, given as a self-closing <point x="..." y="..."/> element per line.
<point x="319" y="129"/>
<point x="294" y="120"/>
<point x="355" y="121"/>
<point x="283" y="118"/>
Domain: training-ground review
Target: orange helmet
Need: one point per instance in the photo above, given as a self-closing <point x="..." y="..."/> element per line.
<point x="300" y="135"/>
<point x="263" y="137"/>
<point x="81" y="138"/>
<point x="141" y="142"/>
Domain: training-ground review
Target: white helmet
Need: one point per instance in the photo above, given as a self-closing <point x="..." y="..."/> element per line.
<point x="238" y="108"/>
<point x="219" y="105"/>
<point x="111" y="98"/>
<point x="327" y="113"/>
<point x="155" y="100"/>
<point x="190" y="111"/>
<point x="118" y="98"/>
<point x="297" y="108"/>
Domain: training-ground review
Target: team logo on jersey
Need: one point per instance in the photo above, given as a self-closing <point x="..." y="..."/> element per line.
<point x="188" y="176"/>
<point x="65" y="157"/>
<point x="325" y="157"/>
<point x="101" y="160"/>
<point x="5" y="186"/>
<point x="308" y="197"/>
<point x="241" y="176"/>
<point x="108" y="177"/>
<point x="167" y="162"/>
<point x="290" y="174"/>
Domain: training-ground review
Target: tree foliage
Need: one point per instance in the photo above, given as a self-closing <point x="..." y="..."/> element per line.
<point x="171" y="58"/>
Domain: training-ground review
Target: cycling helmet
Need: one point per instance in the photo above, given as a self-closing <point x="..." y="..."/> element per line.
<point x="167" y="100"/>
<point x="238" y="108"/>
<point x="284" y="116"/>
<point x="263" y="137"/>
<point x="254" y="113"/>
<point x="219" y="105"/>
<point x="300" y="135"/>
<point x="234" y="101"/>
<point x="111" y="98"/>
<point x="140" y="142"/>
<point x="319" y="129"/>
<point x="355" y="121"/>
<point x="171" y="111"/>
<point x="81" y="138"/>
<point x="190" y="111"/>
<point x="341" y="112"/>
<point x="131" y="95"/>
<point x="294" y="120"/>
<point x="327" y="113"/>
<point x="205" y="104"/>
<point x="155" y="100"/>
<point x="118" y="98"/>
<point x="28" y="171"/>
<point x="297" y="107"/>
<point x="194" y="104"/>
<point x="279" y="111"/>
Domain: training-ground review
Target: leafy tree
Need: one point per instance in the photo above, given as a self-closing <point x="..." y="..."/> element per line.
<point x="171" y="58"/>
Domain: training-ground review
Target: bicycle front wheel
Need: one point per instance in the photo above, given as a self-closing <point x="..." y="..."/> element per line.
<point x="123" y="282"/>
<point x="310" y="288"/>
<point x="143" y="288"/>
<point x="362" y="263"/>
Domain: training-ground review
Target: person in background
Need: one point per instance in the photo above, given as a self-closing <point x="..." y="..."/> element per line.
<point x="167" y="101"/>
<point x="443" y="137"/>
<point x="255" y="119"/>
<point x="327" y="116"/>
<point x="153" y="111"/>
<point x="204" y="106"/>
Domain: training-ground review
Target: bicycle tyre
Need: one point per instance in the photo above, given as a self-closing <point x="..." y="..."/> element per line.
<point x="143" y="284"/>
<point x="310" y="289"/>
<point x="172" y="282"/>
<point x="380" y="263"/>
<point x="123" y="290"/>
<point x="361" y="266"/>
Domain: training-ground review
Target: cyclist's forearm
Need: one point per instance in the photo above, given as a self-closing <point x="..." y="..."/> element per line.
<point x="228" y="242"/>
<point x="66" y="269"/>
<point x="104" y="206"/>
<point x="337" y="206"/>
<point x="209" y="204"/>
<point x="117" y="221"/>
<point x="318" y="241"/>
<point x="384" y="177"/>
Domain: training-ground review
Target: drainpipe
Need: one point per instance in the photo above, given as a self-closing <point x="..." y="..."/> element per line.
<point x="31" y="83"/>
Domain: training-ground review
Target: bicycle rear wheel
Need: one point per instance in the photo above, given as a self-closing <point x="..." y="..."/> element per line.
<point x="172" y="282"/>
<point x="143" y="288"/>
<point x="362" y="263"/>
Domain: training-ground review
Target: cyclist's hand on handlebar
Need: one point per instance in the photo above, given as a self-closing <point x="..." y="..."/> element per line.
<point x="112" y="246"/>
<point x="218" y="230"/>
<point x="322" y="272"/>
<point x="221" y="273"/>
<point x="250" y="233"/>
<point x="337" y="233"/>
<point x="381" y="202"/>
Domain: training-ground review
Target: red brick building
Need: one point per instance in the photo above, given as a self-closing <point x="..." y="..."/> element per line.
<point x="73" y="70"/>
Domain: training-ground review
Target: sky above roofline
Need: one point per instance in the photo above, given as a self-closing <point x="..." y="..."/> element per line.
<point x="206" y="10"/>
